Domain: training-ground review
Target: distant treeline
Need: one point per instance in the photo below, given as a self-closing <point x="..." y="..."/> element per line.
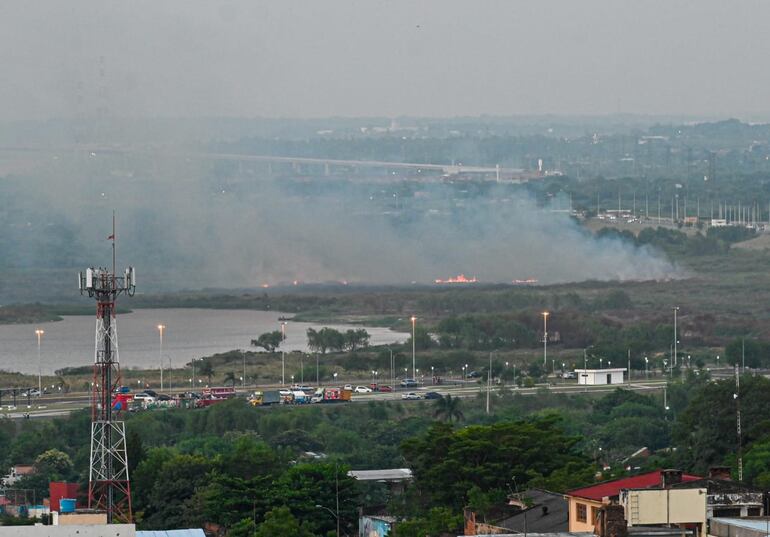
<point x="716" y="240"/>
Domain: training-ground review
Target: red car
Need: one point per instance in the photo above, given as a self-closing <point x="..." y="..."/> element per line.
<point x="385" y="389"/>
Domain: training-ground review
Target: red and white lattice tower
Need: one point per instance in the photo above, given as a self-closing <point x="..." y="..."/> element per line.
<point x="108" y="484"/>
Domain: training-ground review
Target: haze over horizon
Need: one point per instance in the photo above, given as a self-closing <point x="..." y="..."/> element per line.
<point x="343" y="58"/>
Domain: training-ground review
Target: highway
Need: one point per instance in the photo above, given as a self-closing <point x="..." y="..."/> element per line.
<point x="61" y="405"/>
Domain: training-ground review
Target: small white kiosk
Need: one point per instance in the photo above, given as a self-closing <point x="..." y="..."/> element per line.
<point x="600" y="376"/>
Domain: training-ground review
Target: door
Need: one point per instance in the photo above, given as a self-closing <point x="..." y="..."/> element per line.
<point x="609" y="378"/>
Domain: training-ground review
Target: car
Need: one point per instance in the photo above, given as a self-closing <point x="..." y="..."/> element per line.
<point x="409" y="383"/>
<point x="363" y="389"/>
<point x="144" y="397"/>
<point x="474" y="375"/>
<point x="433" y="395"/>
<point x="34" y="392"/>
<point x="348" y="387"/>
<point x="569" y="375"/>
<point x="410" y="396"/>
<point x="152" y="392"/>
<point x="386" y="389"/>
<point x="164" y="397"/>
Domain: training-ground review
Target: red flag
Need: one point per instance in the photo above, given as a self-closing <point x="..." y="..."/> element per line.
<point x="111" y="237"/>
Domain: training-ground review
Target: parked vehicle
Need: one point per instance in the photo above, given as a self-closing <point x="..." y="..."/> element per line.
<point x="348" y="387"/>
<point x="152" y="392"/>
<point x="299" y="397"/>
<point x="570" y="375"/>
<point x="410" y="396"/>
<point x="433" y="395"/>
<point x="474" y="375"/>
<point x="409" y="383"/>
<point x="266" y="398"/>
<point x="164" y="397"/>
<point x="331" y="395"/>
<point x="144" y="397"/>
<point x="222" y="392"/>
<point x="363" y="389"/>
<point x="386" y="389"/>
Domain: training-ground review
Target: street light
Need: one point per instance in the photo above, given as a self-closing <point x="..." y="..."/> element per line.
<point x="646" y="368"/>
<point x="161" y="327"/>
<point x="545" y="339"/>
<point x="39" y="333"/>
<point x="283" y="354"/>
<point x="414" y="362"/>
<point x="676" y="309"/>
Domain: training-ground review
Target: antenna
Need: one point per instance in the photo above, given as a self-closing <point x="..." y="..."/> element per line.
<point x="108" y="484"/>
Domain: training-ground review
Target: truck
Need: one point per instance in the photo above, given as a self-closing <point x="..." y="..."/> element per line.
<point x="265" y="398"/>
<point x="331" y="395"/>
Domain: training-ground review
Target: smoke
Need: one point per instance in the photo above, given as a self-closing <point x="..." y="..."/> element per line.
<point x="189" y="226"/>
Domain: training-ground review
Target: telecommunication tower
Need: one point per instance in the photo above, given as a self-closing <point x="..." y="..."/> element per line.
<point x="108" y="484"/>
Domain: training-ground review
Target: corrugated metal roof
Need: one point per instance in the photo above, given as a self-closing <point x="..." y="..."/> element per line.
<point x="758" y="524"/>
<point x="393" y="474"/>
<point x="613" y="488"/>
<point x="196" y="532"/>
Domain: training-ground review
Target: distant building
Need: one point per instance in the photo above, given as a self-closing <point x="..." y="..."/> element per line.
<point x="16" y="473"/>
<point x="600" y="376"/>
<point x="585" y="503"/>
<point x="537" y="511"/>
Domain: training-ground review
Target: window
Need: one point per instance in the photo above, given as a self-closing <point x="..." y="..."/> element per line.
<point x="594" y="514"/>
<point x="582" y="512"/>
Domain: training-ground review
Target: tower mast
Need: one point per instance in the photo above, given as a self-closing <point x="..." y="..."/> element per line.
<point x="108" y="482"/>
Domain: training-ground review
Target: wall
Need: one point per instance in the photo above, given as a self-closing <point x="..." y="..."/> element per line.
<point x="574" y="523"/>
<point x="113" y="530"/>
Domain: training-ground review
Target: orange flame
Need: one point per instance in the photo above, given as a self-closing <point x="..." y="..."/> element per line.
<point x="460" y="278"/>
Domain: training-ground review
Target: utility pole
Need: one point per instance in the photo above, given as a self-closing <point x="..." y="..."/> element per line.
<point x="738" y="422"/>
<point x="545" y="341"/>
<point x="489" y="380"/>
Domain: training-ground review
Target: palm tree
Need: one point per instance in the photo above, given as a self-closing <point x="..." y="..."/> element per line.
<point x="448" y="407"/>
<point x="230" y="377"/>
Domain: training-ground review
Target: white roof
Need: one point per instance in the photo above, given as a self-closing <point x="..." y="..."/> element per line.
<point x="393" y="474"/>
<point x="604" y="370"/>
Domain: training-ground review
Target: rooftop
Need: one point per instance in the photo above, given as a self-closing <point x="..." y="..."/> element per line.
<point x="609" y="489"/>
<point x="393" y="474"/>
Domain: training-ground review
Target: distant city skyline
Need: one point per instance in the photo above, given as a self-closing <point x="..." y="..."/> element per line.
<point x="440" y="58"/>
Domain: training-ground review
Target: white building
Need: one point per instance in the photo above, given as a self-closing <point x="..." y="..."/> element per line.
<point x="600" y="376"/>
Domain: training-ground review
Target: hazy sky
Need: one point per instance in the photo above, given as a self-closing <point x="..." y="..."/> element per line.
<point x="387" y="58"/>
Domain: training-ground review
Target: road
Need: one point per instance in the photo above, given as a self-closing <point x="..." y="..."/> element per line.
<point x="61" y="405"/>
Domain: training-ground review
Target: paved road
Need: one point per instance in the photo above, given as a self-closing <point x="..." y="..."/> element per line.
<point x="61" y="405"/>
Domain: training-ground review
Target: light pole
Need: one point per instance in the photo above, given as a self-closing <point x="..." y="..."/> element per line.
<point x="39" y="333"/>
<point x="317" y="373"/>
<point x="243" y="378"/>
<point x="646" y="368"/>
<point x="676" y="309"/>
<point x="717" y="361"/>
<point x="432" y="376"/>
<point x="192" y="382"/>
<point x="489" y="380"/>
<point x="161" y="327"/>
<point x="545" y="339"/>
<point x="414" y="362"/>
<point x="283" y="354"/>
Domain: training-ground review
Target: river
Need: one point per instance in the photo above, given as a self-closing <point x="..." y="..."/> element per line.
<point x="188" y="334"/>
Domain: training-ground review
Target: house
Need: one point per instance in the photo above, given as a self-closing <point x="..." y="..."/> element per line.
<point x="535" y="511"/>
<point x="726" y="498"/>
<point x="16" y="473"/>
<point x="682" y="507"/>
<point x="600" y="376"/>
<point x="585" y="502"/>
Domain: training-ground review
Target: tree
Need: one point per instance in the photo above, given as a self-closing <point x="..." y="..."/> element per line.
<point x="280" y="521"/>
<point x="448" y="408"/>
<point x="448" y="463"/>
<point x="230" y="377"/>
<point x="269" y="341"/>
<point x="207" y="370"/>
<point x="354" y="339"/>
<point x="53" y="463"/>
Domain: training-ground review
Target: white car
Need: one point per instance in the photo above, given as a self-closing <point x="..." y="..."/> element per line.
<point x="363" y="389"/>
<point x="144" y="397"/>
<point x="348" y="387"/>
<point x="411" y="396"/>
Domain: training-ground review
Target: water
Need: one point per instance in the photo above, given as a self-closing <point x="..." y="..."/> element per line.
<point x="189" y="333"/>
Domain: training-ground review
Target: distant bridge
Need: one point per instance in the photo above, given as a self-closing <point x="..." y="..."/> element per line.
<point x="498" y="173"/>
